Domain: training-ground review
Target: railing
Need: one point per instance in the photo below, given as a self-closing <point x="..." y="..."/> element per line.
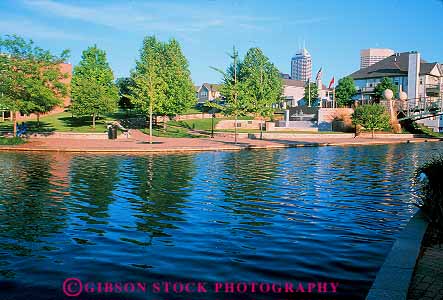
<point x="367" y="89"/>
<point x="432" y="89"/>
<point x="420" y="108"/>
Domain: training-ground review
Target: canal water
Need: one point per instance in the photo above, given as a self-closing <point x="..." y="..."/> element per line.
<point x="300" y="215"/>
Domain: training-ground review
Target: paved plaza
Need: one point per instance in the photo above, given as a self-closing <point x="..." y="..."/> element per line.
<point x="427" y="283"/>
<point x="139" y="142"/>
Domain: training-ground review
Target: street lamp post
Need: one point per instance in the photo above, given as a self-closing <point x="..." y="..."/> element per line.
<point x="213" y="114"/>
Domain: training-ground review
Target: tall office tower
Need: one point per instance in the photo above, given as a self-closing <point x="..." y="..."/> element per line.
<point x="371" y="56"/>
<point x="301" y="65"/>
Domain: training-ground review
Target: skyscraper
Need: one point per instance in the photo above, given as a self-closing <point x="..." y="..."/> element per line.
<point x="301" y="65"/>
<point x="371" y="56"/>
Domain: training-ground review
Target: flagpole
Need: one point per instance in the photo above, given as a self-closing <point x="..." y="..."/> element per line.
<point x="333" y="97"/>
<point x="309" y="92"/>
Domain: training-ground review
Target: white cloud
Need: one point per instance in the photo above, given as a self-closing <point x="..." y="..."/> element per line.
<point x="31" y="29"/>
<point x="308" y="21"/>
<point x="180" y="18"/>
<point x="152" y="16"/>
<point x="128" y="17"/>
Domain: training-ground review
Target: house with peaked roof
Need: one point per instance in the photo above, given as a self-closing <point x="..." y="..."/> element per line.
<point x="294" y="92"/>
<point x="421" y="80"/>
<point x="207" y="92"/>
<point x="413" y="75"/>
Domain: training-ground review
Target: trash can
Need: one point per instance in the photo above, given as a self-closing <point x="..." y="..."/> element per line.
<point x="112" y="132"/>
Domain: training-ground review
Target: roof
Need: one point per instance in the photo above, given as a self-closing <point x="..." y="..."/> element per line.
<point x="293" y="82"/>
<point x="211" y="86"/>
<point x="302" y="52"/>
<point x="298" y="83"/>
<point x="428" y="67"/>
<point x="394" y="65"/>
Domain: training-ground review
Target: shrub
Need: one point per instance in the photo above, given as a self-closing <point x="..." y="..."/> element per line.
<point x="431" y="198"/>
<point x="371" y="117"/>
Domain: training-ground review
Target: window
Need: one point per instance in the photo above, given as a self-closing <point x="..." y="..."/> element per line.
<point x="204" y="94"/>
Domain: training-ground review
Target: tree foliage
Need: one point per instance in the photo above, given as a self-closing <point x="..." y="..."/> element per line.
<point x="232" y="89"/>
<point x="30" y="77"/>
<point x="261" y="83"/>
<point x="371" y="116"/>
<point x="344" y="92"/>
<point x="311" y="88"/>
<point x="179" y="93"/>
<point x="123" y="84"/>
<point x="148" y="91"/>
<point x="384" y="84"/>
<point x="161" y="80"/>
<point x="93" y="89"/>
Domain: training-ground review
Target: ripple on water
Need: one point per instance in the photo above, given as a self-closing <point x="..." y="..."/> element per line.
<point x="328" y="213"/>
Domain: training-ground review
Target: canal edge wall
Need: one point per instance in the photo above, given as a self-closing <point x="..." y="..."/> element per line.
<point x="393" y="278"/>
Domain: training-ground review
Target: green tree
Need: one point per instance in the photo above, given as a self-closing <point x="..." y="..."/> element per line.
<point x="371" y="116"/>
<point x="311" y="94"/>
<point x="384" y="84"/>
<point x="30" y="77"/>
<point x="261" y="83"/>
<point x="123" y="84"/>
<point x="344" y="91"/>
<point x="93" y="89"/>
<point x="234" y="92"/>
<point x="148" y="90"/>
<point x="179" y="89"/>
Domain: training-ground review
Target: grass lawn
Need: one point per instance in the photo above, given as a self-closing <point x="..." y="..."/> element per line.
<point x="172" y="132"/>
<point x="180" y="129"/>
<point x="62" y="122"/>
<point x="285" y="131"/>
<point x="191" y="111"/>
<point x="11" y="141"/>
<point x="201" y="124"/>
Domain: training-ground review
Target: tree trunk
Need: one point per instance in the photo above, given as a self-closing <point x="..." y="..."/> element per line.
<point x="164" y="123"/>
<point x="14" y="121"/>
<point x="150" y="124"/>
<point x="93" y="120"/>
<point x="261" y="129"/>
<point x="235" y="130"/>
<point x="38" y="120"/>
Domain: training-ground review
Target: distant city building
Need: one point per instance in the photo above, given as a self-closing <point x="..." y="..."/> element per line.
<point x="301" y="65"/>
<point x="371" y="56"/>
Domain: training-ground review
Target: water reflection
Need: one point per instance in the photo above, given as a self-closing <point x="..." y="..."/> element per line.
<point x="295" y="214"/>
<point x="161" y="185"/>
<point x="31" y="208"/>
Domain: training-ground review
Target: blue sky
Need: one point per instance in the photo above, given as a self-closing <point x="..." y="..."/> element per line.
<point x="334" y="31"/>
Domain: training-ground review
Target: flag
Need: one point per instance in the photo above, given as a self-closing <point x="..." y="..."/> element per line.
<point x="331" y="83"/>
<point x="319" y="73"/>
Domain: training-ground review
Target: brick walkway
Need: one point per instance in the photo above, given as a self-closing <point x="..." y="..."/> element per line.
<point x="138" y="142"/>
<point x="427" y="283"/>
